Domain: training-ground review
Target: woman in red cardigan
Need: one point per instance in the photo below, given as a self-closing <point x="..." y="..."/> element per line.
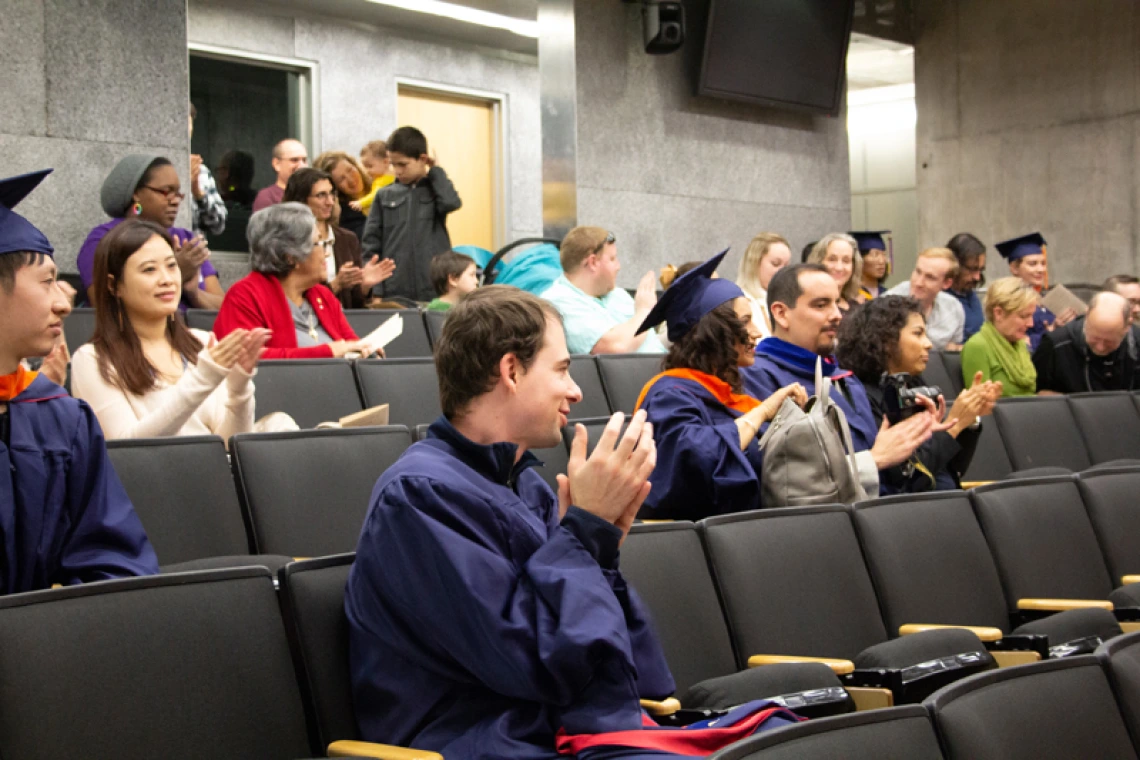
<point x="284" y="291"/>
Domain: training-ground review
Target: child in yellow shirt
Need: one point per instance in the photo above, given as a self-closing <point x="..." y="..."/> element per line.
<point x="374" y="156"/>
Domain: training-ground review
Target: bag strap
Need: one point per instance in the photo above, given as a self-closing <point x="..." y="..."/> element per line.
<point x="849" y="451"/>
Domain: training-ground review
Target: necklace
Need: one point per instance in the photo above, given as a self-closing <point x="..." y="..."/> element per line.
<point x="310" y="320"/>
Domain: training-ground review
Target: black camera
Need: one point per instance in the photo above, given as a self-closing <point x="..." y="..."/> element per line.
<point x="902" y="401"/>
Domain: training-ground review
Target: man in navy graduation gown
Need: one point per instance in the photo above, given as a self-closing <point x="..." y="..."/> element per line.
<point x="64" y="516"/>
<point x="803" y="301"/>
<point x="487" y="614"/>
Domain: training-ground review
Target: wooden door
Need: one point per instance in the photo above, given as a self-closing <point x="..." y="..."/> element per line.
<point x="461" y="135"/>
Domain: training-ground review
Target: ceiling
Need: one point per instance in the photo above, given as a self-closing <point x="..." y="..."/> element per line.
<point x="874" y="62"/>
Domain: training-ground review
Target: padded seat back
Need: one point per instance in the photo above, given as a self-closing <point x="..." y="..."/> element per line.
<point x="1042" y="540"/>
<point x="312" y="602"/>
<point x="624" y="375"/>
<point x="311" y="391"/>
<point x="413" y="341"/>
<point x="665" y="563"/>
<point x="433" y="321"/>
<point x="554" y="461"/>
<point x="409" y="386"/>
<point x="991" y="461"/>
<point x="201" y="319"/>
<point x="307" y="492"/>
<point x="78" y="328"/>
<point x="584" y="371"/>
<point x="1040" y="431"/>
<point x="1120" y="657"/>
<point x="1053" y="709"/>
<point x="181" y="666"/>
<point x="937" y="374"/>
<point x="1110" y="498"/>
<point x="793" y="582"/>
<point x="929" y="561"/>
<point x="894" y="733"/>
<point x="1109" y="425"/>
<point x="184" y="494"/>
<point x="952" y="360"/>
<point x="594" y="428"/>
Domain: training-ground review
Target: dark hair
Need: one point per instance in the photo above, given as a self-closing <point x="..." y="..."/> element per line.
<point x="807" y="251"/>
<point x="710" y="346"/>
<point x="409" y="141"/>
<point x="116" y="343"/>
<point x="301" y="183"/>
<point x="148" y="176"/>
<point x="1112" y="283"/>
<point x="445" y="266"/>
<point x="239" y="182"/>
<point x="10" y="263"/>
<point x="483" y="328"/>
<point x="966" y="246"/>
<point x="869" y="335"/>
<point x="784" y="287"/>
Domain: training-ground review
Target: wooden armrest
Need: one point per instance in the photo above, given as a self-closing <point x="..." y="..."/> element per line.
<point x="840" y="667"/>
<point x="1058" y="605"/>
<point x="968" y="484"/>
<point x="870" y="698"/>
<point x="662" y="708"/>
<point x="1014" y="657"/>
<point x="984" y="633"/>
<point x="346" y="748"/>
<point x="1127" y="579"/>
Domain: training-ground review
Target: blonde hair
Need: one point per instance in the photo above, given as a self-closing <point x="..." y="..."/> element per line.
<point x="750" y="262"/>
<point x="579" y="244"/>
<point x="328" y="161"/>
<point x="851" y="288"/>
<point x="375" y="148"/>
<point x="1010" y="294"/>
<point x="946" y="255"/>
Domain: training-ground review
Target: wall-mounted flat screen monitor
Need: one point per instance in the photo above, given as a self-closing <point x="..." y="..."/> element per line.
<point x="782" y="53"/>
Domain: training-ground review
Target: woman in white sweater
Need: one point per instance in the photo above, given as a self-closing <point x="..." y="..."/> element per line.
<point x="145" y="374"/>
<point x="767" y="254"/>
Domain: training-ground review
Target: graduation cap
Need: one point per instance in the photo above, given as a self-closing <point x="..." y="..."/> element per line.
<point x="17" y="234"/>
<point x="690" y="297"/>
<point x="1020" y="247"/>
<point x="870" y="240"/>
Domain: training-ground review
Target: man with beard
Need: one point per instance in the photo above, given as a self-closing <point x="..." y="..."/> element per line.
<point x="803" y="301"/>
<point x="971" y="254"/>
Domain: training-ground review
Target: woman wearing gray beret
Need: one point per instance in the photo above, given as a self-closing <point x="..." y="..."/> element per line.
<point x="147" y="187"/>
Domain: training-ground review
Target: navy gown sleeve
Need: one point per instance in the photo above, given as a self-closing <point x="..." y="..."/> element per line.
<point x="105" y="538"/>
<point x="701" y="469"/>
<point x="546" y="627"/>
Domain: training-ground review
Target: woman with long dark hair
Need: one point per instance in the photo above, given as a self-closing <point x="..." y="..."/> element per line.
<point x="706" y="430"/>
<point x="144" y="373"/>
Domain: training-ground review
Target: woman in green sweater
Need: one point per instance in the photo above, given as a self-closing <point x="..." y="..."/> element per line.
<point x="999" y="350"/>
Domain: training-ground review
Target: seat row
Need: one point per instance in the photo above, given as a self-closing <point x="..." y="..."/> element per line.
<point x="837" y="582"/>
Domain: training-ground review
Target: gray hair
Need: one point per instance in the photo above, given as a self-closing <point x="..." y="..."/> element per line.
<point x="280" y="237"/>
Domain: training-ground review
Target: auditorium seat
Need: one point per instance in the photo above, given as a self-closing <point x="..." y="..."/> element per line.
<point x="1054" y="710"/>
<point x="311" y="391"/>
<point x="78" y="328"/>
<point x="666" y="564"/>
<point x="182" y="667"/>
<point x="1120" y="659"/>
<point x="952" y="361"/>
<point x="201" y="319"/>
<point x="433" y="321"/>
<point x="930" y="565"/>
<point x="408" y="386"/>
<point x="624" y="375"/>
<point x="183" y="492"/>
<point x="413" y="341"/>
<point x="895" y="733"/>
<point x="793" y="582"/>
<point x="990" y="462"/>
<point x="1110" y="496"/>
<point x="307" y="492"/>
<point x="1044" y="546"/>
<point x="594" y="427"/>
<point x="937" y="374"/>
<point x="1109" y="425"/>
<point x="584" y="371"/>
<point x="1040" y="431"/>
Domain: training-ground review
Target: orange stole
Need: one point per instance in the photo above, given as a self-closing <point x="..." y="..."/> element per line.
<point x="16" y="383"/>
<point x="720" y="390"/>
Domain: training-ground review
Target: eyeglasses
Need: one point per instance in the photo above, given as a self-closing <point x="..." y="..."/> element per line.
<point x="167" y="192"/>
<point x="327" y="195"/>
<point x="609" y="239"/>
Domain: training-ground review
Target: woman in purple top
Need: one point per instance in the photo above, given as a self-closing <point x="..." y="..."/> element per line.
<point x="147" y="187"/>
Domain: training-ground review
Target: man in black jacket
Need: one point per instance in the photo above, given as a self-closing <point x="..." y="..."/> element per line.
<point x="1097" y="352"/>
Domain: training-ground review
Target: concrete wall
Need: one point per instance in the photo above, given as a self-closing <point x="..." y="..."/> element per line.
<point x="81" y="90"/>
<point x="1028" y="120"/>
<point x="358" y="70"/>
<point x="677" y="177"/>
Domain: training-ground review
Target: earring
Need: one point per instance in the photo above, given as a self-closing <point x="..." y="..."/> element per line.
<point x="138" y="209"/>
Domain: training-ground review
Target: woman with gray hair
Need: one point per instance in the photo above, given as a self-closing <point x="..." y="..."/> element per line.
<point x="839" y="254"/>
<point x="284" y="292"/>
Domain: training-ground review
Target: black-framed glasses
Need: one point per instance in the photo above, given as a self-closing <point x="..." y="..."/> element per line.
<point x="167" y="192"/>
<point x="609" y="239"/>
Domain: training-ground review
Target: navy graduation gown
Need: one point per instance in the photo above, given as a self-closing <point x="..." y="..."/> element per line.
<point x="64" y="516"/>
<point x="480" y="624"/>
<point x="1042" y="319"/>
<point x="701" y="469"/>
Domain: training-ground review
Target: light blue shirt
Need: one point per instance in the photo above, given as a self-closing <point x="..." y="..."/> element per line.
<point x="586" y="318"/>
